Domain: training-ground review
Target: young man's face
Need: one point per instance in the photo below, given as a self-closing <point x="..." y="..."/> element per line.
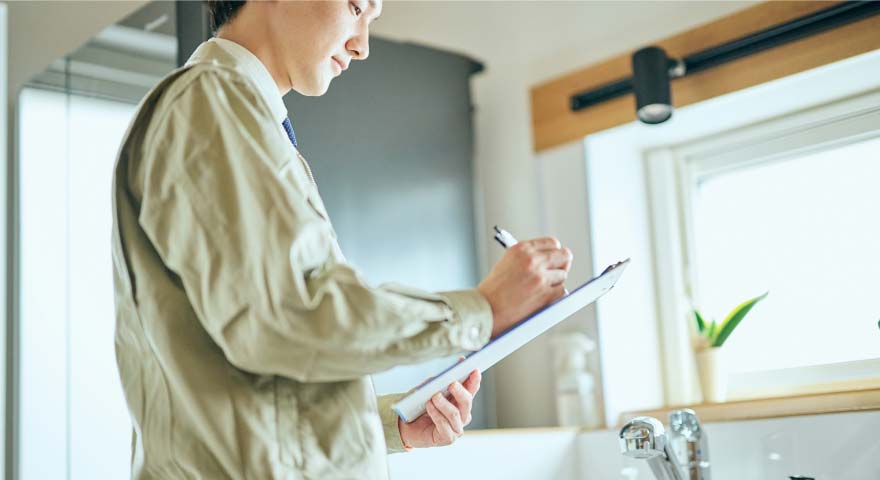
<point x="318" y="39"/>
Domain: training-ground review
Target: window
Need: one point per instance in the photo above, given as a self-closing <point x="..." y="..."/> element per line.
<point x="806" y="228"/>
<point x="71" y="402"/>
<point x="788" y="206"/>
<point x="643" y="201"/>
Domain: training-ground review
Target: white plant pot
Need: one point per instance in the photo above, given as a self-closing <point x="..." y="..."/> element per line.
<point x="713" y="376"/>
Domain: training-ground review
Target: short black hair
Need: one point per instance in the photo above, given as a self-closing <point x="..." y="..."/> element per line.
<point x="222" y="11"/>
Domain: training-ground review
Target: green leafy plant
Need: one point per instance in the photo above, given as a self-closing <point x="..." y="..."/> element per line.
<point x="714" y="334"/>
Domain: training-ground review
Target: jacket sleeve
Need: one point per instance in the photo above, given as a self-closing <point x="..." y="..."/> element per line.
<point x="231" y="210"/>
<point x="393" y="442"/>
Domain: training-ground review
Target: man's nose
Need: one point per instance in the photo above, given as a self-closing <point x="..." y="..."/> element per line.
<point x="359" y="45"/>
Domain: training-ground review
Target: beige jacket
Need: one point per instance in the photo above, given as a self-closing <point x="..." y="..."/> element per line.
<point x="244" y="341"/>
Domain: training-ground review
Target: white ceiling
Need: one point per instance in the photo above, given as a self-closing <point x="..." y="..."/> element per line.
<point x="546" y="38"/>
<point x="41" y="32"/>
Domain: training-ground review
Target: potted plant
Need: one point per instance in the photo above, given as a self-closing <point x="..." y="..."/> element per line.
<point x="707" y="345"/>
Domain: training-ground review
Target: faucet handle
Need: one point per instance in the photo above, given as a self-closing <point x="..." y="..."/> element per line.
<point x="689" y="443"/>
<point x="684" y="422"/>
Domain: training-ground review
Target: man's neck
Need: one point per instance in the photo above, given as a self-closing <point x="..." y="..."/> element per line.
<point x="262" y="49"/>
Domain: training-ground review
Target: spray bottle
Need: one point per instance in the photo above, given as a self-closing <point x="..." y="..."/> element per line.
<point x="575" y="397"/>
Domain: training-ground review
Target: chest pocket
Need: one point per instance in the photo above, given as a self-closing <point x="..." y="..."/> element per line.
<point x="311" y="189"/>
<point x="318" y="206"/>
<point x="296" y="170"/>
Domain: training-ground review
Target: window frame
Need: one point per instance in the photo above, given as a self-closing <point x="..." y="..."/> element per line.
<point x="7" y="259"/>
<point x="673" y="173"/>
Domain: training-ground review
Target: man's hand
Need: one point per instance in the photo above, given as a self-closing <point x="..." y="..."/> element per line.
<point x="445" y="419"/>
<point x="528" y="276"/>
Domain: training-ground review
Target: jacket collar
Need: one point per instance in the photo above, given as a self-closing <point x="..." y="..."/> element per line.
<point x="231" y="54"/>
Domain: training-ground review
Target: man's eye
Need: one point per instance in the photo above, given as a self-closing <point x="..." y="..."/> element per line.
<point x="357" y="10"/>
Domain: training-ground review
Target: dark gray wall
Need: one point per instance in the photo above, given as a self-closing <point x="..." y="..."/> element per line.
<point x="191" y="24"/>
<point x="391" y="148"/>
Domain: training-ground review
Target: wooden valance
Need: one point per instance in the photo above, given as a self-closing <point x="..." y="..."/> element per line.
<point x="554" y="123"/>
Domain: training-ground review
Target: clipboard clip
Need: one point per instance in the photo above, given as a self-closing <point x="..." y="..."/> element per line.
<point x="612" y="267"/>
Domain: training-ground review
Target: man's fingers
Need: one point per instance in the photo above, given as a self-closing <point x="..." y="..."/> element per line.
<point x="560" y="258"/>
<point x="443" y="433"/>
<point x="555" y="278"/>
<point x="556" y="292"/>
<point x="545" y="243"/>
<point x="463" y="400"/>
<point x="472" y="382"/>
<point x="450" y="412"/>
<point x="445" y="436"/>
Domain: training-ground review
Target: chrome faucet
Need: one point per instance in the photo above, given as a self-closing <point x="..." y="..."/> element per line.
<point x="680" y="454"/>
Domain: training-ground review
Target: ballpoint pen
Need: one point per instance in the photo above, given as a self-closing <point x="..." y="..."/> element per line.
<point x="504" y="237"/>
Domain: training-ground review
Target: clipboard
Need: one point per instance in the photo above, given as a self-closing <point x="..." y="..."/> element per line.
<point x="412" y="404"/>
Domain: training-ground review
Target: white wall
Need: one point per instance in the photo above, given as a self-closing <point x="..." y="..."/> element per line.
<point x="561" y="178"/>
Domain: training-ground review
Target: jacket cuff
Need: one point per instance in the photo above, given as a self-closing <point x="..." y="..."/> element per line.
<point x="393" y="442"/>
<point x="472" y="323"/>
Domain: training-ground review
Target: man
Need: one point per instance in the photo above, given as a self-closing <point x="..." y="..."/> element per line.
<point x="244" y="340"/>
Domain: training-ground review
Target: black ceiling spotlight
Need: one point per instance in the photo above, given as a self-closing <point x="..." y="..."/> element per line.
<point x="652" y="70"/>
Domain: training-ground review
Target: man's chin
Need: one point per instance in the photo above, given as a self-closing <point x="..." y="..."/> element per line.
<point x="314" y="89"/>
